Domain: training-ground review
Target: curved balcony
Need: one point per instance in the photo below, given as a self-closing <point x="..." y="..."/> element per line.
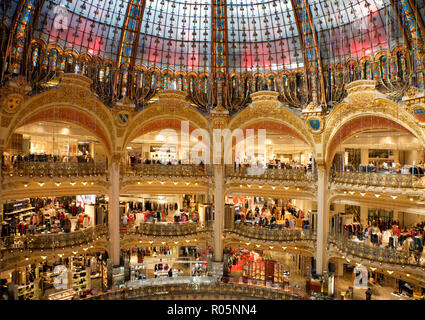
<point x="53" y="169"/>
<point x="276" y="233"/>
<point x="383" y="179"/>
<point x="295" y="175"/>
<point x="201" y="289"/>
<point x="165" y="230"/>
<point x="180" y="170"/>
<point x="52" y="240"/>
<point x="364" y="251"/>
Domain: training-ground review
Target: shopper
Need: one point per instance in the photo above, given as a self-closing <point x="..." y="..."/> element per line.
<point x="67" y="224"/>
<point x="368" y="294"/>
<point x="124" y="220"/>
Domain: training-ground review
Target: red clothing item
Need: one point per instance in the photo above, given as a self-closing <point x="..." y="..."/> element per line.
<point x="62" y="216"/>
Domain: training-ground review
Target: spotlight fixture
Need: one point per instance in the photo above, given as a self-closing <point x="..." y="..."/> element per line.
<point x="351" y="192"/>
<point x="57" y="184"/>
<point x="273" y="187"/>
<point x="261" y="187"/>
<point x="394" y="197"/>
<point x="286" y="188"/>
<point x="149" y="182"/>
<point x="362" y="194"/>
<point x="377" y="195"/>
<point x="72" y="183"/>
<point x="162" y="182"/>
<point x="175" y="182"/>
<point x="25" y="185"/>
<point x="41" y="184"/>
<point x="248" y="185"/>
<point x="84" y="183"/>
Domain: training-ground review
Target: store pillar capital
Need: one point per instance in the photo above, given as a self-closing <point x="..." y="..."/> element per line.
<point x="117" y="158"/>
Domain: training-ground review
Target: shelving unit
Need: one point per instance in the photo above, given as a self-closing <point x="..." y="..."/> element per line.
<point x="79" y="277"/>
<point x="80" y="280"/>
<point x="27" y="292"/>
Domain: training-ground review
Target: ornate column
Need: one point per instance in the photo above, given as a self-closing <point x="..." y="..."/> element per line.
<point x="363" y="215"/>
<point x="218" y="211"/>
<point x="219" y="118"/>
<point x="114" y="209"/>
<point x="322" y="218"/>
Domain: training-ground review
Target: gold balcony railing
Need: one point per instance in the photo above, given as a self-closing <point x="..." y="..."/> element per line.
<point x="52" y="240"/>
<point x="365" y="251"/>
<point x="270" y="174"/>
<point x="54" y="169"/>
<point x="209" y="289"/>
<point x="384" y="179"/>
<point x="275" y="233"/>
<point x="160" y="229"/>
<point x="180" y="170"/>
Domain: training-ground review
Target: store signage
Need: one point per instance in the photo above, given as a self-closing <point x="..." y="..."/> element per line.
<point x="163" y="149"/>
<point x="82" y="200"/>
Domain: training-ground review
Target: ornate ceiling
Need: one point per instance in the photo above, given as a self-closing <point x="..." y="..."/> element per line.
<point x="259" y="35"/>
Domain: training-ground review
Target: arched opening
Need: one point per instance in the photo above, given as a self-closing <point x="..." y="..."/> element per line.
<point x="54" y="141"/>
<point x="376" y="144"/>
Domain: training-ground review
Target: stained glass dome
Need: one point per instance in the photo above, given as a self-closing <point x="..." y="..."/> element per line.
<point x="262" y="35"/>
<point x="317" y="42"/>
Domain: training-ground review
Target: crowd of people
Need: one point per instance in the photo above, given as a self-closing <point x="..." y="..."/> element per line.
<point x="45" y="220"/>
<point x="180" y="216"/>
<point x="389" y="234"/>
<point x="288" y="216"/>
<point x="273" y="164"/>
<point x="388" y="167"/>
<point x="18" y="159"/>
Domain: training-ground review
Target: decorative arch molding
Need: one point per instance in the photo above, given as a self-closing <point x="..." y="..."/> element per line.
<point x="292" y="124"/>
<point x="166" y="189"/>
<point x="384" y="203"/>
<point x="157" y="117"/>
<point x="75" y="108"/>
<point x="395" y="115"/>
<point x="19" y="193"/>
<point x="257" y="192"/>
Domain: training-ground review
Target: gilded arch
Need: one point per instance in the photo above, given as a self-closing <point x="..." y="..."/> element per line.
<point x="74" y="107"/>
<point x="282" y="116"/>
<point x="379" y="108"/>
<point x="160" y="113"/>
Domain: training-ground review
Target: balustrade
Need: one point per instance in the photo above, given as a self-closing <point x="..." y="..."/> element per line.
<point x="52" y="240"/>
<point x="54" y="169"/>
<point x="273" y="233"/>
<point x="162" y="229"/>
<point x="227" y="289"/>
<point x="270" y="174"/>
<point x="365" y="251"/>
<point x="384" y="179"/>
<point x="181" y="170"/>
